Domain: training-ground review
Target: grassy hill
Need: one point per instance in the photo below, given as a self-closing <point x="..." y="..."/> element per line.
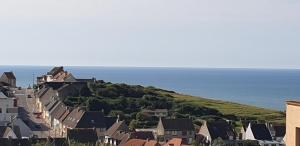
<point x="230" y="108"/>
<point x="128" y="101"/>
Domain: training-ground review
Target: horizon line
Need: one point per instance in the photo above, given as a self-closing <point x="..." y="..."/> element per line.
<point x="170" y="67"/>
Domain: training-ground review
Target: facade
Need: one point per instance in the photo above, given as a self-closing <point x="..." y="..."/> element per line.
<point x="7" y="132"/>
<point x="117" y="134"/>
<point x="8" y="108"/>
<point x="211" y="131"/>
<point x="261" y="133"/>
<point x="168" y="129"/>
<point x="9" y="78"/>
<point x="292" y="123"/>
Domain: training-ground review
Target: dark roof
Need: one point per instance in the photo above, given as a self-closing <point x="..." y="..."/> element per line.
<point x="92" y="119"/>
<point x="17" y="131"/>
<point x="72" y="119"/>
<point x="145" y="135"/>
<point x="279" y="130"/>
<point x="92" y="80"/>
<point x="59" y="110"/>
<point x="220" y="129"/>
<point x="119" y="126"/>
<point x="177" y="124"/>
<point x="55" y="70"/>
<point x="261" y="132"/>
<point x="10" y="75"/>
<point x="3" y="130"/>
<point x="82" y="135"/>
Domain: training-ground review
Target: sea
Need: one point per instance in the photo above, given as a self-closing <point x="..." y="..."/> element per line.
<point x="266" y="88"/>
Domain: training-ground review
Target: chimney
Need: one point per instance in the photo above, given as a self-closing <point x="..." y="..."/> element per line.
<point x="118" y="118"/>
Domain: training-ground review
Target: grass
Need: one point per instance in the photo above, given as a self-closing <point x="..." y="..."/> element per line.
<point x="230" y="108"/>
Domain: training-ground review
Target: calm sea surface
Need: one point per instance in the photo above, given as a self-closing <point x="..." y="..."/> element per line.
<point x="268" y="88"/>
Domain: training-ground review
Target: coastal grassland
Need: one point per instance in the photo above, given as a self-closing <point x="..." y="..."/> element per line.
<point x="229" y="108"/>
<point x="129" y="101"/>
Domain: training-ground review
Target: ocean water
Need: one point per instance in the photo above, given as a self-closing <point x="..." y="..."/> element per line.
<point x="267" y="88"/>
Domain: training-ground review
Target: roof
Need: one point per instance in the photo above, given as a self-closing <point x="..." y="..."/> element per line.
<point x="72" y="119"/>
<point x="279" y="130"/>
<point x="82" y="135"/>
<point x="55" y="70"/>
<point x="117" y="126"/>
<point x="135" y="142"/>
<point x="4" y="130"/>
<point x="295" y="103"/>
<point x="59" y="110"/>
<point x="220" y="129"/>
<point x="2" y="95"/>
<point x="145" y="135"/>
<point x="174" y="142"/>
<point x="10" y="75"/>
<point x="260" y="132"/>
<point x="152" y="143"/>
<point x="177" y="124"/>
<point x="92" y="80"/>
<point x="92" y="119"/>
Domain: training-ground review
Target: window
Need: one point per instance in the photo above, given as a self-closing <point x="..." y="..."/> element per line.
<point x="184" y="133"/>
<point x="0" y="110"/>
<point x="174" y="132"/>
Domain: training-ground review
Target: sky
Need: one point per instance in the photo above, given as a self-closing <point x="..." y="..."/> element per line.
<point x="151" y="33"/>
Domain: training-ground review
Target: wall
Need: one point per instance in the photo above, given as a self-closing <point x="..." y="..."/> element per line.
<point x="292" y="122"/>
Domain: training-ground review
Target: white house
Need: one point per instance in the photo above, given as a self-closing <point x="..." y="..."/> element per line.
<point x="8" y="108"/>
<point x="261" y="133"/>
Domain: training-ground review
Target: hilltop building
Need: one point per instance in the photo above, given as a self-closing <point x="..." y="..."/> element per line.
<point x="8" y="78"/>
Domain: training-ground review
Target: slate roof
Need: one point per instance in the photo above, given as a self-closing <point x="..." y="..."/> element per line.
<point x="82" y="135"/>
<point x="3" y="131"/>
<point x="117" y="127"/>
<point x="220" y="129"/>
<point x="177" y="124"/>
<point x="10" y="75"/>
<point x="145" y="135"/>
<point x="279" y="130"/>
<point x="72" y="119"/>
<point x="55" y="70"/>
<point x="92" y="119"/>
<point x="59" y="110"/>
<point x="261" y="132"/>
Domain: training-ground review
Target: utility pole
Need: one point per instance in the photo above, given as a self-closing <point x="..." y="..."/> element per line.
<point x="32" y="80"/>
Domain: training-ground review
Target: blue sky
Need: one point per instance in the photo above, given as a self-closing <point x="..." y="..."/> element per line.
<point x="157" y="33"/>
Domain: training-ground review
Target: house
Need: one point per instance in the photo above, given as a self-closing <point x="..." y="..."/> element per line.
<point x="210" y="131"/>
<point x="261" y="133"/>
<point x="9" y="78"/>
<point x="57" y="74"/>
<point x="8" y="108"/>
<point x="277" y="131"/>
<point x="292" y="123"/>
<point x="117" y="134"/>
<point x="176" y="128"/>
<point x="156" y="112"/>
<point x="78" y="118"/>
<point x="7" y="132"/>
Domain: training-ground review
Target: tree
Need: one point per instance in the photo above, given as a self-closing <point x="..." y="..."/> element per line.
<point x="133" y="124"/>
<point x="218" y="142"/>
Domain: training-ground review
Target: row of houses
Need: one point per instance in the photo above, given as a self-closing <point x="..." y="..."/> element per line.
<point x="260" y="133"/>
